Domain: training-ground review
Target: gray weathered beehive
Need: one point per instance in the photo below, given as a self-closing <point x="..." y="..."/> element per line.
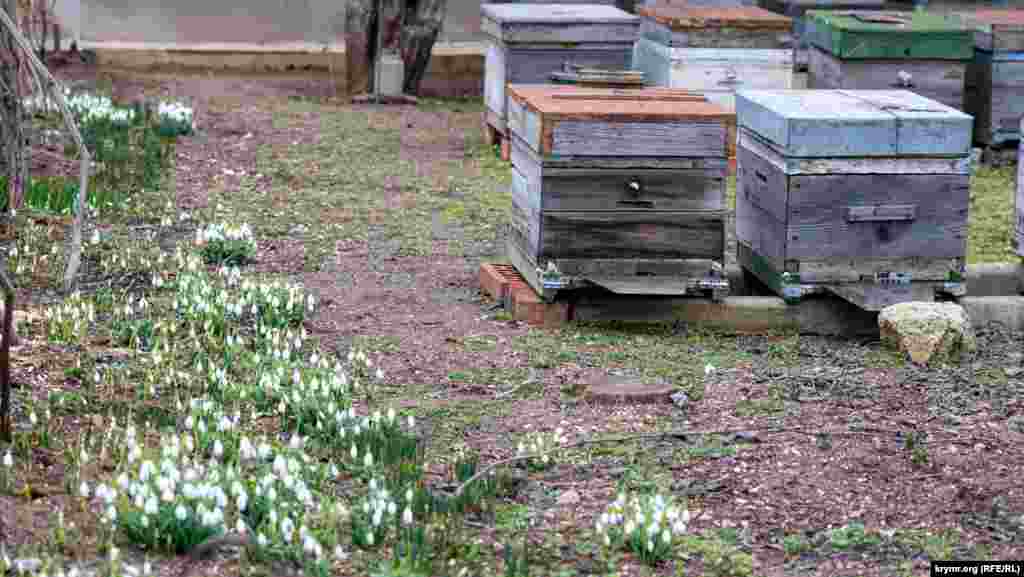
<point x="996" y="76"/>
<point x="530" y="41"/>
<point x="861" y="193"/>
<point x="619" y="188"/>
<point x="1020" y="194"/>
<point x="924" y="52"/>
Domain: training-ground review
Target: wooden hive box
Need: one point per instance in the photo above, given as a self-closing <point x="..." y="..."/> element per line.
<point x="714" y="50"/>
<point x="995" y="77"/>
<point x="796" y="9"/>
<point x="863" y="194"/>
<point x="924" y="52"/>
<point x="530" y="41"/>
<point x="618" y="188"/>
<point x="1020" y="194"/>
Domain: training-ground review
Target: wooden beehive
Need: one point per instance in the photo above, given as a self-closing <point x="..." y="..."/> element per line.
<point x="530" y="41"/>
<point x="996" y="75"/>
<point x="796" y="9"/>
<point x="714" y="50"/>
<point x="1020" y="193"/>
<point x="923" y="52"/>
<point x="619" y="188"/>
<point x="863" y="194"/>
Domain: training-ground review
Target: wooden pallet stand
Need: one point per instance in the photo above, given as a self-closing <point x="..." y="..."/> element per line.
<point x="863" y="194"/>
<point x="924" y="52"/>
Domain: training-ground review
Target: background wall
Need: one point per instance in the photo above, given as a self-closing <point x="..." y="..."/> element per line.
<point x="230" y="21"/>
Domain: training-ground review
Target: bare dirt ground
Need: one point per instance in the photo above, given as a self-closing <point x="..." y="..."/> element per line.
<point x="806" y="436"/>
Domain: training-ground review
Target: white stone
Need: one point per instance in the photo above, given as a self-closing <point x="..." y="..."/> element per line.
<point x="928" y="331"/>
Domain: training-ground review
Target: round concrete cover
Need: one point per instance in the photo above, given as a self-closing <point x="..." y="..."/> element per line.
<point x="615" y="389"/>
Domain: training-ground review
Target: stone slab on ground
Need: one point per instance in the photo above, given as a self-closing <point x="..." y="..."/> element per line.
<point x="615" y="389"/>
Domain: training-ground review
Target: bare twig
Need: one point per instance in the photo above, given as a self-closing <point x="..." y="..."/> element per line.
<point x="54" y="88"/>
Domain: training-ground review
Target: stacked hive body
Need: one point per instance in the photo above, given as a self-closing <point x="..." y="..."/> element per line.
<point x="863" y="194"/>
<point x="618" y="188"/>
<point x="796" y="9"/>
<point x="714" y="51"/>
<point x="923" y="52"/>
<point x="531" y="41"/>
<point x="1020" y="194"/>
<point x="996" y="76"/>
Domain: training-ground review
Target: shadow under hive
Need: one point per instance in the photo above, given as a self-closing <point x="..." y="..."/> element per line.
<point x="530" y="41"/>
<point x="995" y="78"/>
<point x="622" y="189"/>
<point x="714" y="51"/>
<point x="923" y="52"/>
<point x="863" y="194"/>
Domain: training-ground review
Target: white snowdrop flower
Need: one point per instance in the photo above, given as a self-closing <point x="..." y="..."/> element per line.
<point x="8" y="460"/>
<point x="407" y="516"/>
<point x="708" y="369"/>
<point x="354" y="453"/>
<point x="83" y="490"/>
<point x="180" y="512"/>
<point x="392" y="508"/>
<point x="296" y="442"/>
<point x="607" y="540"/>
<point x="391" y="415"/>
<point x="368" y="460"/>
<point x="369" y="538"/>
<point x="261" y="540"/>
<point x="408" y="495"/>
<point x="218" y="449"/>
<point x="411" y="422"/>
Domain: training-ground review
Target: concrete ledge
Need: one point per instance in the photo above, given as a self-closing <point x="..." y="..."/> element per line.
<point x="456" y="69"/>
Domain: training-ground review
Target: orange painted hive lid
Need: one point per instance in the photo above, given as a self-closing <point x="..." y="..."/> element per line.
<point x="639" y="104"/>
<point x="685" y="17"/>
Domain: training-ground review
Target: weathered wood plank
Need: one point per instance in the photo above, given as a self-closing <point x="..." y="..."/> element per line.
<point x="764" y="185"/>
<point x="716" y="73"/>
<point x="552" y="165"/>
<point x="756" y="226"/>
<point x="524" y="219"/>
<point x="819" y="227"/>
<point x="766" y="151"/>
<point x="633" y="234"/>
<point x="771" y="39"/>
<point x="523" y="124"/>
<point x="596" y="138"/>
<point x="634" y="267"/>
<point x="939" y="80"/>
<point x="637" y="189"/>
<point x="558" y="23"/>
<point x="494" y="79"/>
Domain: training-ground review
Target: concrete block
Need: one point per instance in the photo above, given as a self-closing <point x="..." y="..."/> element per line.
<point x="390" y="74"/>
<point x="995" y="279"/>
<point x="1006" y="310"/>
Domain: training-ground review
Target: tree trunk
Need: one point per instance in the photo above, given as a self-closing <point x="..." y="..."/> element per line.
<point x="12" y="129"/>
<point x="421" y="25"/>
<point x="359" y="20"/>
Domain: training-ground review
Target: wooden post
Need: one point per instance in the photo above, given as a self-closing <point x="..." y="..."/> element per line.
<point x="13" y="140"/>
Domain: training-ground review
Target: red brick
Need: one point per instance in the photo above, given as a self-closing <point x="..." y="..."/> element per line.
<point x="527" y="306"/>
<point x="492" y="281"/>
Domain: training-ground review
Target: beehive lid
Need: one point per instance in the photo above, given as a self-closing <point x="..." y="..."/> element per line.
<point x="686" y="17"/>
<point x="853" y="34"/>
<point x="641" y="104"/>
<point x="854" y="123"/>
<point x="556" y="14"/>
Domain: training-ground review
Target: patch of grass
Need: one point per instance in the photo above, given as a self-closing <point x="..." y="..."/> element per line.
<point x="379" y="344"/>
<point x="758" y="407"/>
<point x="721" y="558"/>
<point x="480" y="343"/>
<point x="991" y="220"/>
